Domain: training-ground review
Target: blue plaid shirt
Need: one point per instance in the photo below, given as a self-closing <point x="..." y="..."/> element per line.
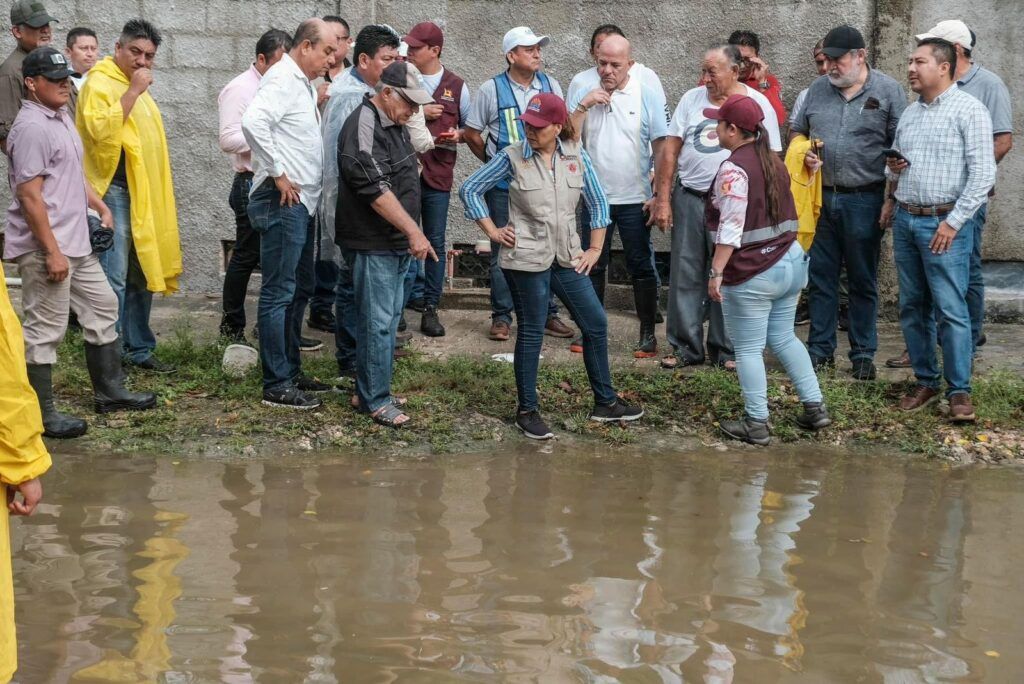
<point x="948" y="143"/>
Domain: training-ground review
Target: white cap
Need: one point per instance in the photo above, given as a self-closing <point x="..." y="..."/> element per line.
<point x="952" y="30"/>
<point x="522" y="36"/>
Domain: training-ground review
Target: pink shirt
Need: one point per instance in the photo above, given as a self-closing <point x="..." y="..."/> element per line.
<point x="44" y="142"/>
<point x="234" y="99"/>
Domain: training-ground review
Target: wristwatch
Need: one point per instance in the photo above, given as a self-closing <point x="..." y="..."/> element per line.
<point x="580" y="107"/>
<point x="712" y="274"/>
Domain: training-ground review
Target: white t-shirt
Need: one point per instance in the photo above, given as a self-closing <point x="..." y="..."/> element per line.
<point x="701" y="155"/>
<point x="430" y="83"/>
<point x="618" y="137"/>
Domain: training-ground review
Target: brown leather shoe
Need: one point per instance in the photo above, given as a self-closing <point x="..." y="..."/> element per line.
<point x="901" y="361"/>
<point x="961" y="410"/>
<point x="556" y="328"/>
<point x="918" y="398"/>
<point x="499" y="331"/>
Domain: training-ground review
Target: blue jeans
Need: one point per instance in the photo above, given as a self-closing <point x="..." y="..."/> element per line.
<point x="305" y="286"/>
<point x="761" y="310"/>
<point x="326" y="275"/>
<point x="636" y="241"/>
<point x="121" y="264"/>
<point x="976" y="281"/>
<point x="934" y="282"/>
<point x="434" y="217"/>
<point x="531" y="293"/>
<point x="345" y="319"/>
<point x="501" y="297"/>
<point x="847" y="233"/>
<point x="379" y="297"/>
<point x="285" y="239"/>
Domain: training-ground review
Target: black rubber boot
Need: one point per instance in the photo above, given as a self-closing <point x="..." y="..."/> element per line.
<point x="55" y="424"/>
<point x="107" y="375"/>
<point x="645" y="296"/>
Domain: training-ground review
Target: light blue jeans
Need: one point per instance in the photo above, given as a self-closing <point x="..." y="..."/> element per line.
<point x="762" y="310"/>
<point x="121" y="264"/>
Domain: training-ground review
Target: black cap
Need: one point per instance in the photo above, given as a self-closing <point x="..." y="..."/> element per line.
<point x="47" y="61"/>
<point x="841" y="40"/>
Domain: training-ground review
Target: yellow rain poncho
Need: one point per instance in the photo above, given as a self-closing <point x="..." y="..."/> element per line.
<point x="806" y="188"/>
<point x="23" y="456"/>
<point x="105" y="132"/>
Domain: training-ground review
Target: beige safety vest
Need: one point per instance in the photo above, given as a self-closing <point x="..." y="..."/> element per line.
<point x="542" y="209"/>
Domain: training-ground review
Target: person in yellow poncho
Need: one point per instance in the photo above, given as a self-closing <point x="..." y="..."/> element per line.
<point x="127" y="163"/>
<point x="806" y="188"/>
<point x="23" y="458"/>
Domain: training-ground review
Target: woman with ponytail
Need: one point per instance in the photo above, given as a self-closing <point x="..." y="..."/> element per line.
<point x="758" y="268"/>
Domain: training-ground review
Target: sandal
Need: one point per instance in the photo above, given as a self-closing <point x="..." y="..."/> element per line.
<point x="397" y="401"/>
<point x="673" y="362"/>
<point x="728" y="365"/>
<point x="390" y="416"/>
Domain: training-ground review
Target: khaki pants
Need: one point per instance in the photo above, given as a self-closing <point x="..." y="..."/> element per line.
<point x="46" y="304"/>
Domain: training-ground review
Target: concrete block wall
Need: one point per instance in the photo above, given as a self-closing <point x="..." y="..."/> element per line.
<point x="209" y="42"/>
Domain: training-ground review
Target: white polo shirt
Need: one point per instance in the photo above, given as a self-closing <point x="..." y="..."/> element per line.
<point x="618" y="136"/>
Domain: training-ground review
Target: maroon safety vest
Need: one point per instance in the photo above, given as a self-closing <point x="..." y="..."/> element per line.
<point x="439" y="163"/>
<point x="763" y="242"/>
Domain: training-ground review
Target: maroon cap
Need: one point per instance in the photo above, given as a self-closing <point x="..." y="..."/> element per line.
<point x="425" y="33"/>
<point x="545" y="109"/>
<point x="739" y="110"/>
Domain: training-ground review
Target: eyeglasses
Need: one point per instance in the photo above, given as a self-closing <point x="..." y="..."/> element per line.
<point x="409" y="102"/>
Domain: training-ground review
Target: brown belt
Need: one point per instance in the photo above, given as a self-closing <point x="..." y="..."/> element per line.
<point x="934" y="210"/>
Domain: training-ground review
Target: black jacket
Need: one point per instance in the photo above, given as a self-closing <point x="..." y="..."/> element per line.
<point x="375" y="156"/>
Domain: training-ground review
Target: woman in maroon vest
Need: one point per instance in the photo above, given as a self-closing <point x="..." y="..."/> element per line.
<point x="758" y="268"/>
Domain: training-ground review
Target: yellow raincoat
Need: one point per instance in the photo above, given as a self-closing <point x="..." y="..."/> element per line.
<point x="105" y="132"/>
<point x="23" y="456"/>
<point x="806" y="188"/>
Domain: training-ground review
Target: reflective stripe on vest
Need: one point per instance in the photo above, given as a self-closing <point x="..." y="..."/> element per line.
<point x="510" y="128"/>
<point x="762" y="234"/>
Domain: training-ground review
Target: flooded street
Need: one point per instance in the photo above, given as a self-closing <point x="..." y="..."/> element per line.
<point x="563" y="567"/>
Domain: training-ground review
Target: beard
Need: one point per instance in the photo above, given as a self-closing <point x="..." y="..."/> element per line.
<point x="844" y="81"/>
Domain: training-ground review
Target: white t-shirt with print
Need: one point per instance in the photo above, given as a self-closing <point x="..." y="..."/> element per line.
<point x="701" y="155"/>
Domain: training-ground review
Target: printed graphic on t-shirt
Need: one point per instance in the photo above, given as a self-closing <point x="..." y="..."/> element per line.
<point x="705" y="137"/>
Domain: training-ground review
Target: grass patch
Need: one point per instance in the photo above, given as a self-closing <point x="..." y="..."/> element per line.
<point x="465" y="403"/>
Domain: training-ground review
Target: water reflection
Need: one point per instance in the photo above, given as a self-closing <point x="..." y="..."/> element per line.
<point x="521" y="567"/>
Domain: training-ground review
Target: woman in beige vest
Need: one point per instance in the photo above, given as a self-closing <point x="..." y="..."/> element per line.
<point x="546" y="174"/>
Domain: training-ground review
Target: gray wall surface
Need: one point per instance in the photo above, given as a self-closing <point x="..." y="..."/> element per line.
<point x="208" y="42"/>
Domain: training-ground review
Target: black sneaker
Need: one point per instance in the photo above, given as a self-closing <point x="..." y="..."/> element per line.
<point x="402" y="324"/>
<point x="820" y="363"/>
<point x="619" y="411"/>
<point x="814" y="417"/>
<point x="153" y="365"/>
<point x="533" y="426"/>
<point x="417" y="305"/>
<point x="430" y="324"/>
<point x="308" y="384"/>
<point x="803" y="312"/>
<point x="292" y="398"/>
<point x="863" y="369"/>
<point x="310" y="344"/>
<point x="747" y="430"/>
<point x="321" y="321"/>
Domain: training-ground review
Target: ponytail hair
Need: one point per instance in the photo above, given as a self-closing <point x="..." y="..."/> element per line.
<point x="770" y="171"/>
<point x="568" y="131"/>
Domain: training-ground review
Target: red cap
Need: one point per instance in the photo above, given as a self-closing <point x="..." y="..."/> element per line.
<point x="739" y="110"/>
<point x="545" y="109"/>
<point x="425" y="33"/>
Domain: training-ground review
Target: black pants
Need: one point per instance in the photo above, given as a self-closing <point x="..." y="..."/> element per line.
<point x="244" y="258"/>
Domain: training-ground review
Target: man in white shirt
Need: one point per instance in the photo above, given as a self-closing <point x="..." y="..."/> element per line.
<point x="282" y="127"/>
<point x="692" y="148"/>
<point x="622" y="117"/>
<point x="83" y="49"/>
<point x="234" y="99"/>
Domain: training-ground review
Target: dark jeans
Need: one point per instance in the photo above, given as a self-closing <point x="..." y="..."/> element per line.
<point x="847" y="234"/>
<point x="636" y="241"/>
<point x="531" y="293"/>
<point x="326" y="272"/>
<point x="976" y="285"/>
<point x="345" y="319"/>
<point x="305" y="282"/>
<point x="501" y="297"/>
<point x="245" y="257"/>
<point x="434" y="218"/>
<point x="286" y="239"/>
<point x="934" y="286"/>
<point x="379" y="295"/>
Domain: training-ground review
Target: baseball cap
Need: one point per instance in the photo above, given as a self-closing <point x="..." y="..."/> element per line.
<point x="49" y="62"/>
<point x="841" y="40"/>
<point x="31" y="13"/>
<point x="739" y="110"/>
<point x="952" y="30"/>
<point x="425" y="33"/>
<point x="543" y="110"/>
<point x="406" y="79"/>
<point x="522" y="36"/>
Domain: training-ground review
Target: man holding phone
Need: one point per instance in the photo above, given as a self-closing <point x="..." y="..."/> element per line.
<point x="445" y="117"/>
<point x="854" y="110"/>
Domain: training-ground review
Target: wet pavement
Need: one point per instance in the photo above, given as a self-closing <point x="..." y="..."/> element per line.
<point x="540" y="564"/>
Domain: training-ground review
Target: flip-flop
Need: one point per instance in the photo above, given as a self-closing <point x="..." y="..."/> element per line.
<point x="387" y="416"/>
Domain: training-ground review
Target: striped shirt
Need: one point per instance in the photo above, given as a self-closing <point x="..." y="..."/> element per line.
<point x="948" y="143"/>
<point x="499" y="169"/>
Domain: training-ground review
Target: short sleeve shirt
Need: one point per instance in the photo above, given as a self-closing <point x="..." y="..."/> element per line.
<point x="701" y="154"/>
<point x="990" y="89"/>
<point x="484" y="114"/>
<point x="432" y="81"/>
<point x="44" y="142"/>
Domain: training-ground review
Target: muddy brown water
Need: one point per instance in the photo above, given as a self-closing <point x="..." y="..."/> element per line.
<point x="604" y="566"/>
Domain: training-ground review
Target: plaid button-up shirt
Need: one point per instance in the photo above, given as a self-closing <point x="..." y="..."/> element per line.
<point x="949" y="145"/>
